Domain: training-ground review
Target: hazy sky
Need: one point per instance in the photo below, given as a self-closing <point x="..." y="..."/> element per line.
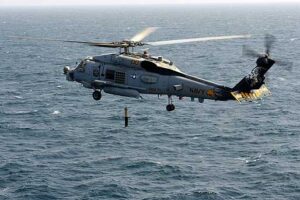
<point x="130" y="2"/>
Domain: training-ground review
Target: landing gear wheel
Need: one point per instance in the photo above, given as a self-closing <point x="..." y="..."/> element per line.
<point x="170" y="107"/>
<point x="97" y="95"/>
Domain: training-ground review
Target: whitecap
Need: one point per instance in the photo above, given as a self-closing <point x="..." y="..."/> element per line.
<point x="56" y="112"/>
<point x="18" y="97"/>
<point x="242" y="159"/>
<point x="21" y="112"/>
<point x="59" y="86"/>
<point x="281" y="78"/>
<point x="157" y="162"/>
<point x="293" y="39"/>
<point x="4" y="191"/>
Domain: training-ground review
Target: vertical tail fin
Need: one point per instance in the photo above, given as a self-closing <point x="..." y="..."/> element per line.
<point x="256" y="79"/>
<point x="252" y="87"/>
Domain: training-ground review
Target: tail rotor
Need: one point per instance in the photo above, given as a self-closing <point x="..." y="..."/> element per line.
<point x="269" y="42"/>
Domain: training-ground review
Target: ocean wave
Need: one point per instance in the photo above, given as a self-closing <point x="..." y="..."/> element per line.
<point x="192" y="195"/>
<point x="19" y="112"/>
<point x="227" y="138"/>
<point x="108" y="191"/>
<point x="35" y="191"/>
<point x="285" y="176"/>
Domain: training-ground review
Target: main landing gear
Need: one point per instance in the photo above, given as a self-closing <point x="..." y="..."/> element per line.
<point x="97" y="95"/>
<point x="170" y="106"/>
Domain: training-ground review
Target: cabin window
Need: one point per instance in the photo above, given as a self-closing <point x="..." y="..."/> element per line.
<point x="110" y="74"/>
<point x="120" y="77"/>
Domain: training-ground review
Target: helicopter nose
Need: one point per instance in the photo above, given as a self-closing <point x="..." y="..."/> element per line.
<point x="66" y="69"/>
<point x="69" y="73"/>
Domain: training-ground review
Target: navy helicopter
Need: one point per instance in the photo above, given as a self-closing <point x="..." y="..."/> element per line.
<point x="130" y="74"/>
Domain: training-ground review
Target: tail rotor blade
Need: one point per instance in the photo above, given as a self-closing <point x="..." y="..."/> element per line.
<point x="269" y="42"/>
<point x="286" y="64"/>
<point x="250" y="52"/>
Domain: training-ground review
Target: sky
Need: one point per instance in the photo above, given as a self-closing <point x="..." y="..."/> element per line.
<point x="133" y="2"/>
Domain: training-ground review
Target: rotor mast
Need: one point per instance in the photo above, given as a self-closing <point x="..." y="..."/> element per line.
<point x="126" y="45"/>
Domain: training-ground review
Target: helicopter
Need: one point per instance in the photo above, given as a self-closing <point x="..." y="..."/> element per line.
<point x="131" y="74"/>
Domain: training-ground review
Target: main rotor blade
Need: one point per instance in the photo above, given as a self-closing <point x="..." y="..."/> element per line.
<point x="203" y="39"/>
<point x="97" y="44"/>
<point x="141" y="35"/>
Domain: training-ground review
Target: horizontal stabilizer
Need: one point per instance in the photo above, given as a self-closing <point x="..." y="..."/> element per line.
<point x="252" y="95"/>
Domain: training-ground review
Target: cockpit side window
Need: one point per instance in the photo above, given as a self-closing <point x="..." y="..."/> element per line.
<point x="81" y="66"/>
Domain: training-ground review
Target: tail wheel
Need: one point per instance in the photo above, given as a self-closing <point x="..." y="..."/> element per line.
<point x="97" y="95"/>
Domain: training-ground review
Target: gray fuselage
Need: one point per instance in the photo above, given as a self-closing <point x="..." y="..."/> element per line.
<point x="134" y="74"/>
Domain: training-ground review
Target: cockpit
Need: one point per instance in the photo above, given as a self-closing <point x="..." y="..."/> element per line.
<point x="82" y="65"/>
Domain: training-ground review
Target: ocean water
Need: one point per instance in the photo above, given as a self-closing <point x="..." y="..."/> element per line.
<point x="56" y="142"/>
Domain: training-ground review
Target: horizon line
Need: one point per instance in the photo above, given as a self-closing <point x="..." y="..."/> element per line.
<point x="153" y="4"/>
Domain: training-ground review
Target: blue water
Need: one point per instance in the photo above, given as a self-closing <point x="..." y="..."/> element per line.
<point x="56" y="142"/>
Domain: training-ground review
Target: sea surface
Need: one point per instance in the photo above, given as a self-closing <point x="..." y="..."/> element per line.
<point x="56" y="142"/>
